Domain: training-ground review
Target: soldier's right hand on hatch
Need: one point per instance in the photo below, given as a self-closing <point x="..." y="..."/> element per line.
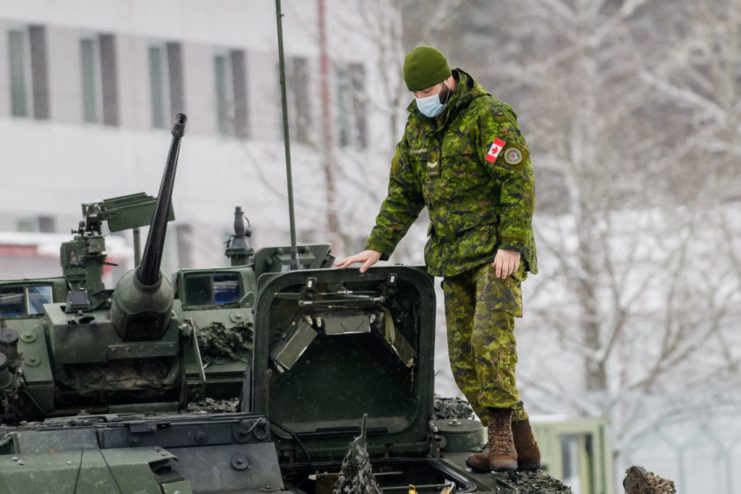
<point x="367" y="257"/>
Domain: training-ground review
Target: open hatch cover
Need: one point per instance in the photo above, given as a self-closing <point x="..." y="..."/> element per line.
<point x="335" y="344"/>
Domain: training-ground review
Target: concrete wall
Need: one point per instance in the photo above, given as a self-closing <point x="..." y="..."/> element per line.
<point x="134" y="91"/>
<point x="200" y="98"/>
<point x="65" y="77"/>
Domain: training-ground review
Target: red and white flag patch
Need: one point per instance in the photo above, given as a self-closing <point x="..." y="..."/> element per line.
<point x="495" y="149"/>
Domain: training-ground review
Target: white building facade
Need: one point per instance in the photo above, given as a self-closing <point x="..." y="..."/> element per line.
<point x="88" y="90"/>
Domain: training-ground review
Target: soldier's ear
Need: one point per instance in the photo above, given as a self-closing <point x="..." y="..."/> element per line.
<point x="450" y="82"/>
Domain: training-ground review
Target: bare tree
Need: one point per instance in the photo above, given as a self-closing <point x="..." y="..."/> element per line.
<point x="619" y="108"/>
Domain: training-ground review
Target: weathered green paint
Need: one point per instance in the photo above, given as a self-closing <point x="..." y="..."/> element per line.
<point x="461" y="435"/>
<point x="86" y="470"/>
<point x="179" y="487"/>
<point x="40" y="473"/>
<point x="32" y="345"/>
<point x="338" y="378"/>
<point x="82" y="260"/>
<point x="132" y="301"/>
<point x="92" y="338"/>
<point x="125" y="212"/>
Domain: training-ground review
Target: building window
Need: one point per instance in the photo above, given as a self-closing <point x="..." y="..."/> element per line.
<point x="175" y="71"/>
<point x="360" y="104"/>
<point x="92" y="98"/>
<point x="351" y="100"/>
<point x="42" y="223"/>
<point x="20" y="73"/>
<point x="99" y="81"/>
<point x="29" y="88"/>
<point x="299" y="102"/>
<point x="165" y="81"/>
<point x="159" y="78"/>
<point x="230" y="78"/>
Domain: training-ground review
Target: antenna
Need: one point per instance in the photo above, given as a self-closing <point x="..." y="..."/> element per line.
<point x="286" y="138"/>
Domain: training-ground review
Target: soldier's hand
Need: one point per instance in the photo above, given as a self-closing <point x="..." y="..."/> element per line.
<point x="506" y="262"/>
<point x="367" y="257"/>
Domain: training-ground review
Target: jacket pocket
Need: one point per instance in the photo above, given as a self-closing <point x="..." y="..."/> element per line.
<point x="475" y="219"/>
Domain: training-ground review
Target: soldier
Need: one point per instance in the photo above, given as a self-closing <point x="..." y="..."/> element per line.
<point x="464" y="158"/>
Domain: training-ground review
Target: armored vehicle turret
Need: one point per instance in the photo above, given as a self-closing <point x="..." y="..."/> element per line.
<point x="72" y="345"/>
<point x="89" y="352"/>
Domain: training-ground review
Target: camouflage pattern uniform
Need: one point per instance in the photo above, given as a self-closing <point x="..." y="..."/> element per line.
<point x="476" y="207"/>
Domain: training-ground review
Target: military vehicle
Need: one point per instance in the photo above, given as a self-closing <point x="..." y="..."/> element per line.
<point x="95" y="384"/>
<point x="248" y="378"/>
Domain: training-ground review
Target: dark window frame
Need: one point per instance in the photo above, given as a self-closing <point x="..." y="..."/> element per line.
<point x="99" y="79"/>
<point x="166" y="88"/>
<point x="299" y="100"/>
<point x="28" y="73"/>
<point x="351" y="105"/>
<point x="230" y="91"/>
<point x="27" y="302"/>
<point x="190" y="304"/>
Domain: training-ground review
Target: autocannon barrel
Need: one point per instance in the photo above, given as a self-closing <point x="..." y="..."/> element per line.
<point x="142" y="301"/>
<point x="148" y="272"/>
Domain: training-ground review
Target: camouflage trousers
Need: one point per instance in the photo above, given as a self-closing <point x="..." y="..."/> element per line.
<point x="480" y="311"/>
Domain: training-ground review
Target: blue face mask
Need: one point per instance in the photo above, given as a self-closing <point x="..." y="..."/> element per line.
<point x="430" y="106"/>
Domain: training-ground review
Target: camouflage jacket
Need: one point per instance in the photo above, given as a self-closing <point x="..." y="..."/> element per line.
<point x="471" y="168"/>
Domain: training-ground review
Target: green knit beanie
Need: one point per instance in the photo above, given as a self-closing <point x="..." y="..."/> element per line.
<point x="424" y="67"/>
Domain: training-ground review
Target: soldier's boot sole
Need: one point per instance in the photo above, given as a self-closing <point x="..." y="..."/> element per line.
<point x="503" y="464"/>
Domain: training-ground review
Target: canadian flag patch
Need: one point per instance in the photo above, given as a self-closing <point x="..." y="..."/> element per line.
<point x="495" y="149"/>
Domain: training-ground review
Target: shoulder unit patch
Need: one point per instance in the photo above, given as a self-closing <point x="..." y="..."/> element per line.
<point x="513" y="156"/>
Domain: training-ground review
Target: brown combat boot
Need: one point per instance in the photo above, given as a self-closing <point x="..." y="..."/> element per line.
<point x="528" y="454"/>
<point x="478" y="462"/>
<point x="502" y="453"/>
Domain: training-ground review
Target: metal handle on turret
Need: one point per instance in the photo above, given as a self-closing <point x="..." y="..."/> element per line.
<point x="148" y="272"/>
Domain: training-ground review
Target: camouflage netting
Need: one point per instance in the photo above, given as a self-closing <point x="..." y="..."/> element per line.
<point x="536" y="482"/>
<point x="217" y="341"/>
<point x="451" y="408"/>
<point x="209" y="405"/>
<point x="356" y="474"/>
<point x="639" y="481"/>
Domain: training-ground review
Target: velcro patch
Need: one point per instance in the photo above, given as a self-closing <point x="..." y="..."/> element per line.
<point x="495" y="149"/>
<point x="513" y="156"/>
